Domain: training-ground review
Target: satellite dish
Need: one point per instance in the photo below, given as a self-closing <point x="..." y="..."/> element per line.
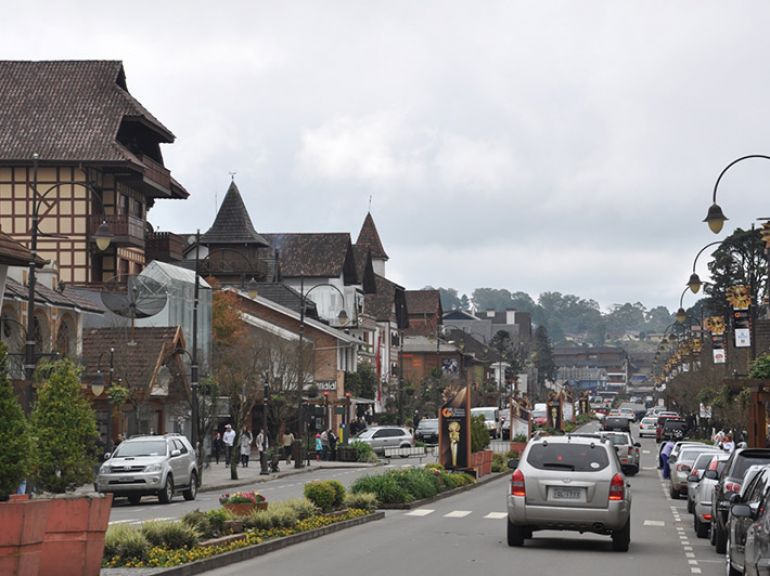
<point x="132" y="296"/>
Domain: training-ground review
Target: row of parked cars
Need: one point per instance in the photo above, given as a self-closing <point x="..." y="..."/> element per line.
<point x="728" y="495"/>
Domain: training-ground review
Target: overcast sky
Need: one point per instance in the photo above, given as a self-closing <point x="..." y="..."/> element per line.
<point x="534" y="146"/>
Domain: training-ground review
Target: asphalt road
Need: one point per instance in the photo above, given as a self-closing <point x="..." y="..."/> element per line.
<point x="467" y="533"/>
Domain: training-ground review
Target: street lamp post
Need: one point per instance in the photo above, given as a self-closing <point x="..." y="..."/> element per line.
<point x="103" y="237"/>
<point x="98" y="386"/>
<point x="715" y="217"/>
<point x="262" y="452"/>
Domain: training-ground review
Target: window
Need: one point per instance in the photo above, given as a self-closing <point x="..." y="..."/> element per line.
<point x="180" y="446"/>
<point x="571" y="457"/>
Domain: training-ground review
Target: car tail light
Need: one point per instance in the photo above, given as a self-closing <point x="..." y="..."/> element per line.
<point x="617" y="487"/>
<point x="682" y="468"/>
<point x="518" y="487"/>
<point x="732" y="487"/>
<point x="707" y="516"/>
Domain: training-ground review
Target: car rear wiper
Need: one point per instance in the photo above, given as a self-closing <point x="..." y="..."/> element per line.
<point x="561" y="465"/>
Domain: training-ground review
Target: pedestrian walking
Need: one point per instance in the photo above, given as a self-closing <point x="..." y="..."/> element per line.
<point x="727" y="444"/>
<point x="245" y="448"/>
<point x="324" y="445"/>
<point x="664" y="454"/>
<point x="332" y="439"/>
<point x="286" y="442"/>
<point x="228" y="439"/>
<point x="262" y="446"/>
<point x="318" y="447"/>
<point x="216" y="446"/>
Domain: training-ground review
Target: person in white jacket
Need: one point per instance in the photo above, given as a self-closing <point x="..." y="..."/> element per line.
<point x="245" y="447"/>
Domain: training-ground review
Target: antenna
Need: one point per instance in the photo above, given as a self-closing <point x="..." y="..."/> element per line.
<point x="370" y="202"/>
<point x="132" y="296"/>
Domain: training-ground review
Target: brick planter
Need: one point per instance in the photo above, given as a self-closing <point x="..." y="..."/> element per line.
<point x="22" y="530"/>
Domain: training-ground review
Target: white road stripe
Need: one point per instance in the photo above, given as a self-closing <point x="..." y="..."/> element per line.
<point x="654" y="523"/>
<point x="420" y="512"/>
<point x="496" y="515"/>
<point x="457" y="514"/>
<point x="122" y="522"/>
<point x="695" y="570"/>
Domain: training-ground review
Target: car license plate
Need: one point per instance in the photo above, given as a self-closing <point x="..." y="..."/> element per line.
<point x="565" y="493"/>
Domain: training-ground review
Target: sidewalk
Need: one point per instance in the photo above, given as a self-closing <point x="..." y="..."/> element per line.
<point x="217" y="476"/>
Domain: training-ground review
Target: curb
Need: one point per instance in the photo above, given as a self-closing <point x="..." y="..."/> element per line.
<point x="247" y="553"/>
<point x="417" y="503"/>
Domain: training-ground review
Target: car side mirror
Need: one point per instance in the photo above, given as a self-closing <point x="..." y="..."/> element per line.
<point x="693" y="478"/>
<point x="711" y="475"/>
<point x="741" y="511"/>
<point x="637" y="444"/>
<point x="734" y="498"/>
<point x="513" y="463"/>
<point x="175" y="453"/>
<point x="107" y="456"/>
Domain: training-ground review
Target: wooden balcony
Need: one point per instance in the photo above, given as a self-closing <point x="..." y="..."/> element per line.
<point x="156" y="175"/>
<point x="165" y="246"/>
<point x="127" y="230"/>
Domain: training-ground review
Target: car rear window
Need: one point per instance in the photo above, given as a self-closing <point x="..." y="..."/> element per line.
<point x="742" y="464"/>
<point x="617" y="439"/>
<point x="569" y="457"/>
<point x="675" y="424"/>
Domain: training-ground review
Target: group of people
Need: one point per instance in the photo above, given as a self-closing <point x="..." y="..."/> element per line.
<point x="326" y="445"/>
<point x="224" y="443"/>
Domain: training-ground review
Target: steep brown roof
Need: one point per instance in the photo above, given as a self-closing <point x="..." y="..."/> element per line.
<point x="364" y="269"/>
<point x="369" y="238"/>
<point x="136" y="364"/>
<point x="233" y="224"/>
<point x="423" y="302"/>
<point x="44" y="295"/>
<point x="323" y="255"/>
<point x="68" y="110"/>
<point x="388" y="304"/>
<point x="14" y="254"/>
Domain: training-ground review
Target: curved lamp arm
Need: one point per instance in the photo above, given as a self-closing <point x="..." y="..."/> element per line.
<point x="715" y="217"/>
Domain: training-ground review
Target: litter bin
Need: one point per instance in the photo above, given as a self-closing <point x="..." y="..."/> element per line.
<point x="347" y="454"/>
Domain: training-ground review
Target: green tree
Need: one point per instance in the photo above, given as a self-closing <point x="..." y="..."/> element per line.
<point x="64" y="430"/>
<point x="449" y="298"/>
<point x="363" y="382"/>
<point x="498" y="299"/>
<point x="657" y="319"/>
<point x="543" y="358"/>
<point x="740" y="259"/>
<point x="15" y="444"/>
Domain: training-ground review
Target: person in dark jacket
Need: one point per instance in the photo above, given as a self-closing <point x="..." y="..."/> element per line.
<point x="332" y="437"/>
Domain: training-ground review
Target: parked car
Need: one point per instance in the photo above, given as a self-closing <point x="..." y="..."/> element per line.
<point x="569" y="483"/>
<point x="695" y="476"/>
<point x="730" y="482"/>
<point x="427" y="431"/>
<point x="675" y="429"/>
<point x="748" y="545"/>
<point x="491" y="416"/>
<point x="704" y="494"/>
<point x="662" y="418"/>
<point x="616" y="423"/>
<point x="150" y="466"/>
<point x="647" y="426"/>
<point x="681" y="463"/>
<point x="381" y="437"/>
<point x="627" y="450"/>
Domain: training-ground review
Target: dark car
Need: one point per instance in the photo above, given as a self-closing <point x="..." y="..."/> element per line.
<point x="675" y="429"/>
<point x="427" y="431"/>
<point x="730" y="482"/>
<point x="661" y="422"/>
<point x="616" y="424"/>
<point x="748" y="548"/>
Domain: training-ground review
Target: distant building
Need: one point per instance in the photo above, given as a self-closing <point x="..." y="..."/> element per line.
<point x="592" y="368"/>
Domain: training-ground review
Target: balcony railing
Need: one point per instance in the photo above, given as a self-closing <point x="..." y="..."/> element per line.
<point x="126" y="230"/>
<point x="155" y="173"/>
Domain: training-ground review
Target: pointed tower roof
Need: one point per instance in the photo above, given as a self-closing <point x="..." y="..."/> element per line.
<point x="369" y="238"/>
<point x="232" y="224"/>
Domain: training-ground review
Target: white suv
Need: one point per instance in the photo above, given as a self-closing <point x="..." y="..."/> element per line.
<point x="381" y="437"/>
<point x="569" y="483"/>
<point x="150" y="465"/>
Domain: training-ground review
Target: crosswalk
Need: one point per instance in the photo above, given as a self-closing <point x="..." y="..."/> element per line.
<point x="419" y="512"/>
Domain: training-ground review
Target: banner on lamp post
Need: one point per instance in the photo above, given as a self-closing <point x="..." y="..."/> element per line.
<point x="742" y="328"/>
<point x="716" y="326"/>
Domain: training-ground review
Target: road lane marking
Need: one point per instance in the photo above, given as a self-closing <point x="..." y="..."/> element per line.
<point x="646" y="452"/>
<point x="692" y="562"/>
<point x="688" y="548"/>
<point x="420" y="512"/>
<point x="689" y="555"/>
<point x="129" y="521"/>
<point x="496" y="515"/>
<point x="695" y="570"/>
<point x="654" y="523"/>
<point x="457" y="514"/>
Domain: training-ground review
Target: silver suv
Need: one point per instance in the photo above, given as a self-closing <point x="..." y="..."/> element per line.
<point x="569" y="483"/>
<point x="381" y="437"/>
<point x="150" y="465"/>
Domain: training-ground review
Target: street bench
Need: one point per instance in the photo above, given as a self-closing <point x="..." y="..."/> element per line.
<point x="406" y="452"/>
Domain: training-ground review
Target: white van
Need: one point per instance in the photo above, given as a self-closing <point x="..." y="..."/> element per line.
<point x="491" y="418"/>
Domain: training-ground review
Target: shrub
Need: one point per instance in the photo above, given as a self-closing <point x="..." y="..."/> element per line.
<point x="172" y="535"/>
<point x="499" y="463"/>
<point x="520" y="438"/>
<point x="125" y="543"/>
<point x="511" y="454"/>
<point x="417" y="482"/>
<point x="434" y="467"/>
<point x="363" y="500"/>
<point x="242" y="498"/>
<point x="760" y="367"/>
<point x="277" y="516"/>
<point x="364" y="452"/>
<point x="385" y="486"/>
<point x="479" y="434"/>
<point x="14" y="435"/>
<point x="64" y="429"/>
<point x="339" y="492"/>
<point x="303" y="507"/>
<point x="321" y="493"/>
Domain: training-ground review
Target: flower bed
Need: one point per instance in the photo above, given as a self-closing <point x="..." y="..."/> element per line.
<point x="410" y="484"/>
